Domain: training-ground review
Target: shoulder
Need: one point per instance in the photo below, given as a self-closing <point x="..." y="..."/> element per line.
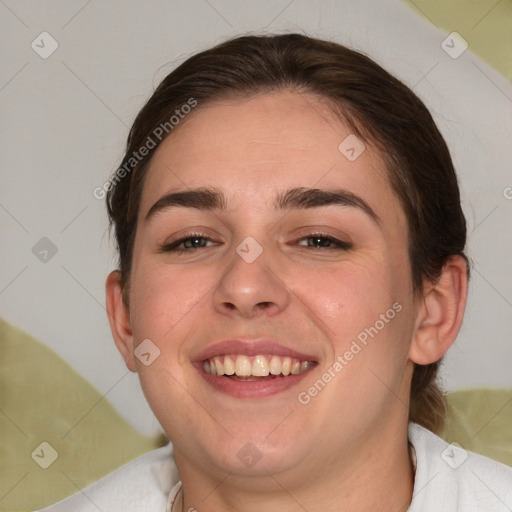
<point x="142" y="484"/>
<point x="450" y="478"/>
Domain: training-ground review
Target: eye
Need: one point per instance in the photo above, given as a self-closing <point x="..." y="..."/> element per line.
<point x="194" y="241"/>
<point x="190" y="243"/>
<point x="324" y="241"/>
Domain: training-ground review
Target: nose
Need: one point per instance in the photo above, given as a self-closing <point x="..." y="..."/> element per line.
<point x="250" y="288"/>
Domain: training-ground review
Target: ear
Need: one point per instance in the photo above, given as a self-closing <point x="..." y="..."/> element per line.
<point x="119" y="319"/>
<point x="440" y="313"/>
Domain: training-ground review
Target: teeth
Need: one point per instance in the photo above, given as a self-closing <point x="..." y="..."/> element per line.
<point x="275" y="365"/>
<point x="286" y="366"/>
<point x="219" y="367"/>
<point x="229" y="366"/>
<point x="258" y="366"/>
<point x="243" y="366"/>
<point x="295" y="367"/>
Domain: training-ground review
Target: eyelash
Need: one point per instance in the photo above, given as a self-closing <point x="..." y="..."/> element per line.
<point x="173" y="246"/>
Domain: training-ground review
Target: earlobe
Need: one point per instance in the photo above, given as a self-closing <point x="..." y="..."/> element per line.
<point x="119" y="319"/>
<point x="440" y="313"/>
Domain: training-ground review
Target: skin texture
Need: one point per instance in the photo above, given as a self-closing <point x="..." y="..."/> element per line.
<point x="347" y="447"/>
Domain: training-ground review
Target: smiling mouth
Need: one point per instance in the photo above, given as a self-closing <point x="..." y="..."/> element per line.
<point x="261" y="367"/>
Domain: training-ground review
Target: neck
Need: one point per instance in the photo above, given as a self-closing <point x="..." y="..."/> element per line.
<point x="359" y="479"/>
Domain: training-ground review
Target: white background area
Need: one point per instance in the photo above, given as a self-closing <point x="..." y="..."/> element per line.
<point x="65" y="120"/>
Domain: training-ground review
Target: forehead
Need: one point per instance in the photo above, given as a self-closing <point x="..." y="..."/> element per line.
<point x="253" y="148"/>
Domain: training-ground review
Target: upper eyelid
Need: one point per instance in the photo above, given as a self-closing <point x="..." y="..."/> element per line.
<point x="187" y="236"/>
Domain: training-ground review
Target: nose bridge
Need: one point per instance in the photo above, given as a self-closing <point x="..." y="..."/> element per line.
<point x="249" y="283"/>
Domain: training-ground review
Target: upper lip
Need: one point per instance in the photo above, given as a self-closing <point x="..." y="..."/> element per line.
<point x="250" y="348"/>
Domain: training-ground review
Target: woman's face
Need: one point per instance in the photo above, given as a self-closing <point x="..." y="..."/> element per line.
<point x="314" y="282"/>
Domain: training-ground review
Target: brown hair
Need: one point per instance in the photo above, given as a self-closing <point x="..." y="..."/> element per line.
<point x="377" y="107"/>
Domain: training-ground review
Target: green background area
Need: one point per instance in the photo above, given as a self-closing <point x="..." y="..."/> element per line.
<point x="485" y="24"/>
<point x="43" y="399"/>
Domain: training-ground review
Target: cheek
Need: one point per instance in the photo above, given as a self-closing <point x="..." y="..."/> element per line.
<point x="364" y="311"/>
<point x="351" y="297"/>
<point x="166" y="302"/>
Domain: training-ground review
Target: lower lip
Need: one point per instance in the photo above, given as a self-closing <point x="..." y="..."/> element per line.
<point x="251" y="389"/>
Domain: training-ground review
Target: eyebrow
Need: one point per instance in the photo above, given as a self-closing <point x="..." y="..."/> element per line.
<point x="210" y="198"/>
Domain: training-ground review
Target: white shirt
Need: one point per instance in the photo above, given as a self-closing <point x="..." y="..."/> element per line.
<point x="448" y="479"/>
